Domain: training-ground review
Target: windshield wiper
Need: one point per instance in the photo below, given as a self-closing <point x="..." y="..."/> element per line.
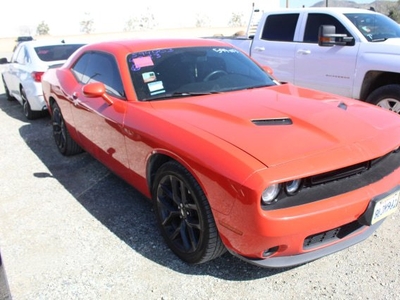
<point x="258" y="86"/>
<point x="181" y="94"/>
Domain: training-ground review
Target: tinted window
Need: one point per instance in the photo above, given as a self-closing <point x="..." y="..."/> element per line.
<point x="99" y="67"/>
<point x="280" y="27"/>
<point x="177" y="72"/>
<point x="56" y="52"/>
<point x="314" y="21"/>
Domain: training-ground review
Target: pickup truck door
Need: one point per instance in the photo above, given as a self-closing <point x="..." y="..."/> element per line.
<point x="329" y="69"/>
<point x="273" y="45"/>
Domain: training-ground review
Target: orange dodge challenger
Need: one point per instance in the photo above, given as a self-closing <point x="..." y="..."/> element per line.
<point x="232" y="159"/>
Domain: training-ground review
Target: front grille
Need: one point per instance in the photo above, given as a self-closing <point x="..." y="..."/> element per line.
<point x="322" y="238"/>
<point x="338" y="174"/>
<point x="341" y="181"/>
<point x="347" y="171"/>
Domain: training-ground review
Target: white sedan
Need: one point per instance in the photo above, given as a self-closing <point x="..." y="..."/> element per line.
<point x="22" y="75"/>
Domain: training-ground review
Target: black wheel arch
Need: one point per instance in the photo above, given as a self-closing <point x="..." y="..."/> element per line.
<point x="376" y="79"/>
<point x="157" y="160"/>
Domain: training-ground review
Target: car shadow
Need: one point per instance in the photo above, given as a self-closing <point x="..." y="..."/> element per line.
<point x="117" y="205"/>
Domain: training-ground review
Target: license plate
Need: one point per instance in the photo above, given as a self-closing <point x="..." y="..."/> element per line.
<point x="385" y="207"/>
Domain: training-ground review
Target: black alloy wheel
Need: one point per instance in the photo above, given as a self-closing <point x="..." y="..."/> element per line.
<point x="184" y="215"/>
<point x="65" y="144"/>
<point x="28" y="112"/>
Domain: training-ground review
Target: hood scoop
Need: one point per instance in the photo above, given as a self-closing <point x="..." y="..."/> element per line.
<point x="272" y="121"/>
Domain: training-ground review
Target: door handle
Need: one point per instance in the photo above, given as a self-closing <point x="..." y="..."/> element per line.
<point x="75" y="99"/>
<point x="303" y="52"/>
<point x="259" y="49"/>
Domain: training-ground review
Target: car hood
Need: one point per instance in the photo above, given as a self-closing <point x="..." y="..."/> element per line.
<point x="284" y="123"/>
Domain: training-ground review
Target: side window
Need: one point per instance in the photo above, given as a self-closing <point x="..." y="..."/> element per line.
<point x="314" y="21"/>
<point x="100" y="67"/>
<point x="80" y="66"/>
<point x="20" y="58"/>
<point x="280" y="27"/>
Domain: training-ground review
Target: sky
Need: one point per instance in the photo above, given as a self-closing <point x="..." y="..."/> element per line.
<point x="21" y="17"/>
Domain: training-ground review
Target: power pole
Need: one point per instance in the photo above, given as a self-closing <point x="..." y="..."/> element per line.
<point x="327" y="3"/>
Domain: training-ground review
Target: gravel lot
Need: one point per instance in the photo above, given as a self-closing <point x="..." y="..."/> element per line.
<point x="70" y="229"/>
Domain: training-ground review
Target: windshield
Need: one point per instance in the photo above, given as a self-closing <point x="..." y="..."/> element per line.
<point x="182" y="72"/>
<point x="375" y="27"/>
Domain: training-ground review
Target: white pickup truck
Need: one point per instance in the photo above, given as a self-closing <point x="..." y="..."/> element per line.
<point x="347" y="51"/>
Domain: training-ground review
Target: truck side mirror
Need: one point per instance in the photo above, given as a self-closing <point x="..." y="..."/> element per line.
<point x="327" y="37"/>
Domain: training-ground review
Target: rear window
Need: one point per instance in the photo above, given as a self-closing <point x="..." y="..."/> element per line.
<point x="56" y="52"/>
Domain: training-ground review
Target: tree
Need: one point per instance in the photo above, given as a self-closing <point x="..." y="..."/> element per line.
<point x="25" y="30"/>
<point x="144" y="21"/>
<point x="394" y="12"/>
<point x="202" y="20"/>
<point x="236" y="20"/>
<point x="42" y="29"/>
<point x="87" y="24"/>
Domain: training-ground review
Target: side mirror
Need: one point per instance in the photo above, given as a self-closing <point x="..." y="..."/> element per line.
<point x="3" y="61"/>
<point x="97" y="89"/>
<point x="327" y="37"/>
<point x="268" y="70"/>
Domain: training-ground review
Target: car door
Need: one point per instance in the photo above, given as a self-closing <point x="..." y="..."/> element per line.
<point x="329" y="69"/>
<point x="16" y="70"/>
<point x="274" y="47"/>
<point x="99" y="124"/>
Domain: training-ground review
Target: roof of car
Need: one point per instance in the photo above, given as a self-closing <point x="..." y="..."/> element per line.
<point x="38" y="43"/>
<point x="343" y="10"/>
<point x="135" y="45"/>
<point x="24" y="38"/>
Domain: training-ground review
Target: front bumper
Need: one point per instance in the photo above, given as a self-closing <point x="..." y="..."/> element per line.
<point x="294" y="260"/>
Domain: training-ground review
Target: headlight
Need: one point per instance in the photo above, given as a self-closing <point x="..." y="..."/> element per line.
<point x="292" y="187"/>
<point x="270" y="194"/>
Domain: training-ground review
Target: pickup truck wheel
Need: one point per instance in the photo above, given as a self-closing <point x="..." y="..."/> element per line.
<point x="387" y="96"/>
<point x="184" y="215"/>
<point x="65" y="144"/>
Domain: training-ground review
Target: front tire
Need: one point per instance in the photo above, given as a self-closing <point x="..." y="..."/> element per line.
<point x="65" y="144"/>
<point x="184" y="215"/>
<point x="387" y="96"/>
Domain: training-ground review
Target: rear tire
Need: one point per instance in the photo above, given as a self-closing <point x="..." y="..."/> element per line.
<point x="65" y="144"/>
<point x="28" y="112"/>
<point x="387" y="96"/>
<point x="184" y="215"/>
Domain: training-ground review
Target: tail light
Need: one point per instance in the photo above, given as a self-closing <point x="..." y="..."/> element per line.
<point x="37" y="76"/>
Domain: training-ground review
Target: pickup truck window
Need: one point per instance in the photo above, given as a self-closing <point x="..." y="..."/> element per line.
<point x="280" y="27"/>
<point x="315" y="20"/>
